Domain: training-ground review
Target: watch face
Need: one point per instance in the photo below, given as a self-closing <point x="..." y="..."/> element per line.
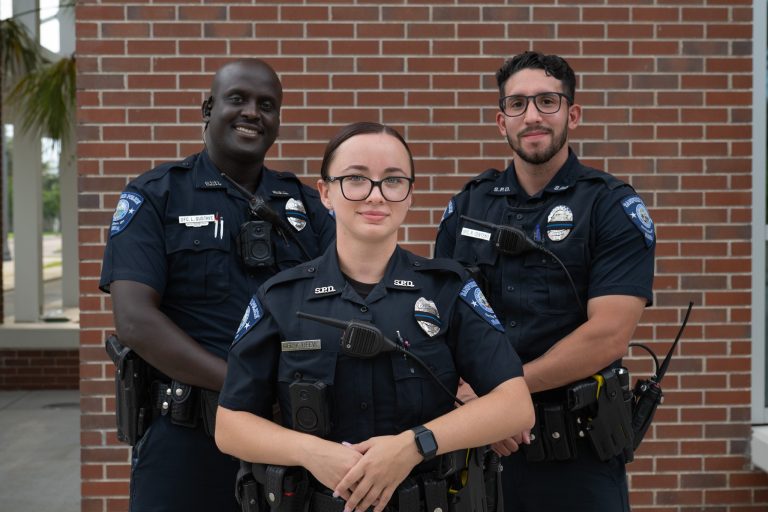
<point x="425" y="440"/>
<point x="428" y="445"/>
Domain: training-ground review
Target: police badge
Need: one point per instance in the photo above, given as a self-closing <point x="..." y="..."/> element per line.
<point x="296" y="213"/>
<point x="426" y="315"/>
<point x="559" y="223"/>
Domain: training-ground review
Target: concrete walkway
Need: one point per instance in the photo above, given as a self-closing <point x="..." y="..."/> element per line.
<point x="40" y="451"/>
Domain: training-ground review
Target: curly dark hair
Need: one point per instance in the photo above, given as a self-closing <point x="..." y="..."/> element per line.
<point x="553" y="65"/>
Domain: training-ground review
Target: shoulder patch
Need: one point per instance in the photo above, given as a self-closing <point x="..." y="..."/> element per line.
<point x="127" y="206"/>
<point x="638" y="214"/>
<point x="473" y="296"/>
<point x="253" y="314"/>
<point x="448" y="210"/>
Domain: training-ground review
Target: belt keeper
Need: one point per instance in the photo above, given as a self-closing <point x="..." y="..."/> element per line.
<point x="408" y="496"/>
<point x="436" y="495"/>
<point x="273" y="486"/>
<point x="164" y="398"/>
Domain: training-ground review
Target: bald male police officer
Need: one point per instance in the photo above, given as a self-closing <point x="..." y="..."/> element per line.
<point x="189" y="243"/>
<point x="561" y="221"/>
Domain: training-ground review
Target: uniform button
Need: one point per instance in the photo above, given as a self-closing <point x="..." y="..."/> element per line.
<point x="513" y="324"/>
<point x="196" y="242"/>
<point x="364" y="309"/>
<point x="363" y="405"/>
<point x="510" y="288"/>
<point x="310" y="269"/>
<point x="297" y="376"/>
<point x="416" y="263"/>
<point x="519" y="216"/>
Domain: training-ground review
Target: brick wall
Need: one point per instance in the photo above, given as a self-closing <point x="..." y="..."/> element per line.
<point x="666" y="90"/>
<point x="38" y="369"/>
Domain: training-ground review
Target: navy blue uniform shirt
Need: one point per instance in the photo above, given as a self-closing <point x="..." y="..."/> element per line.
<point x="594" y="223"/>
<point x="175" y="230"/>
<point x="440" y="315"/>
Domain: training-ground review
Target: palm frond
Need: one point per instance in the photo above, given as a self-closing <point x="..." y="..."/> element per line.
<point x="45" y="99"/>
<point x="19" y="53"/>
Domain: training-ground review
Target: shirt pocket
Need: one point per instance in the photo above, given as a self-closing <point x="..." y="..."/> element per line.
<point x="549" y="290"/>
<point x="307" y="367"/>
<point x="419" y="397"/>
<point x="471" y="251"/>
<point x="198" y="265"/>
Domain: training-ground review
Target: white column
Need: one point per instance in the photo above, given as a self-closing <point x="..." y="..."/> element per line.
<point x="27" y="226"/>
<point x="27" y="203"/>
<point x="68" y="196"/>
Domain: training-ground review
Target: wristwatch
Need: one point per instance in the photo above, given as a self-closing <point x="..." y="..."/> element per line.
<point x="425" y="442"/>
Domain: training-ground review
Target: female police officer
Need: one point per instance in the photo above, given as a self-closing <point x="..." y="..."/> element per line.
<point x="385" y="414"/>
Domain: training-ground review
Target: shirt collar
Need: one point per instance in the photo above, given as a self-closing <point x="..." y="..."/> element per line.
<point x="400" y="274"/>
<point x="206" y="174"/>
<point x="508" y="185"/>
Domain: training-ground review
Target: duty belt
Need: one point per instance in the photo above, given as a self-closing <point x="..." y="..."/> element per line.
<point x="464" y="481"/>
<point x="187" y="405"/>
<point x="594" y="414"/>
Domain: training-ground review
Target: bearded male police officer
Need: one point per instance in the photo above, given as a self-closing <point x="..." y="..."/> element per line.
<point x="554" y="208"/>
<point x="188" y="245"/>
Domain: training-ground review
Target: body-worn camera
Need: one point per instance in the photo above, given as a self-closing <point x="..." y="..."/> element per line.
<point x="255" y="244"/>
<point x="309" y="407"/>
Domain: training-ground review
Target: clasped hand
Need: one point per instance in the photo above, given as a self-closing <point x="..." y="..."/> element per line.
<point x="368" y="473"/>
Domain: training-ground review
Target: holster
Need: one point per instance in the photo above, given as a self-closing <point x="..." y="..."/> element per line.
<point x="610" y="430"/>
<point x="471" y="497"/>
<point x="494" y="492"/>
<point x="248" y="491"/>
<point x="132" y="396"/>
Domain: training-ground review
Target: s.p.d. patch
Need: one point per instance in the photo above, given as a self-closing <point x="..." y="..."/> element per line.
<point x="638" y="214"/>
<point x="126" y="208"/>
<point x="473" y="295"/>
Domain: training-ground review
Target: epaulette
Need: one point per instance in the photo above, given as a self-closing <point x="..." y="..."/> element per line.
<point x="422" y="264"/>
<point x="164" y="168"/>
<point x="591" y="174"/>
<point x="287" y="175"/>
<point x="486" y="175"/>
<point x="304" y="270"/>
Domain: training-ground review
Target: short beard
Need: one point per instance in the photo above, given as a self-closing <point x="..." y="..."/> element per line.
<point x="544" y="156"/>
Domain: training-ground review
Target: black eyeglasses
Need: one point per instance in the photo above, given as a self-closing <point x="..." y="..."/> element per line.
<point x="357" y="188"/>
<point x="546" y="103"/>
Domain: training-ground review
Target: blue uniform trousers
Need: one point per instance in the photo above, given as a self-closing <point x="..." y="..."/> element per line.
<point x="179" y="469"/>
<point x="582" y="485"/>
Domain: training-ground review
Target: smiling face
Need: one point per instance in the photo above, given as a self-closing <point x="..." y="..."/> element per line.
<point x="537" y="138"/>
<point x="373" y="220"/>
<point x="245" y="115"/>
